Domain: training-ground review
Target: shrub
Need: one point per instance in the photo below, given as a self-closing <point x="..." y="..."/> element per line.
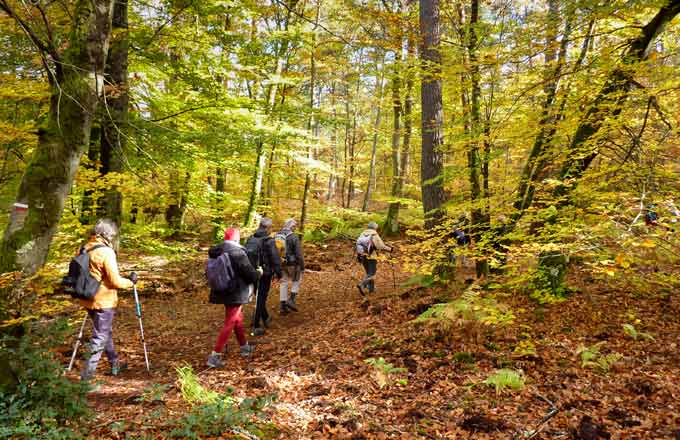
<point x="42" y="402"/>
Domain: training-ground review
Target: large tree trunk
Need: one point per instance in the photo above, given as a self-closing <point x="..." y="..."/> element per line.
<point x="61" y="142"/>
<point x="115" y="114"/>
<point x="432" y="161"/>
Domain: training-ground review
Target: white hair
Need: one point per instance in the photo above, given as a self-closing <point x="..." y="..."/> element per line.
<point x="106" y="229"/>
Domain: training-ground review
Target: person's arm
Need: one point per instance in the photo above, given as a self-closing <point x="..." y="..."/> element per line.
<point x="379" y="244"/>
<point x="241" y="262"/>
<point x="274" y="258"/>
<point x="111" y="269"/>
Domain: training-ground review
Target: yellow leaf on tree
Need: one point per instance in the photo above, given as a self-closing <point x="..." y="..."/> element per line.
<point x="648" y="243"/>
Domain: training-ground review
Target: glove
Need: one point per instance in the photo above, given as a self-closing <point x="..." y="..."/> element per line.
<point x="133" y="277"/>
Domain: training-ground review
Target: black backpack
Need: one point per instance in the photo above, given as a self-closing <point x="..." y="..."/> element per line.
<point x="79" y="282"/>
<point x="254" y="250"/>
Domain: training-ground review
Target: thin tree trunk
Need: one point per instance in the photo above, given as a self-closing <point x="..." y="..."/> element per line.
<point x="405" y="167"/>
<point x="312" y="86"/>
<point x="376" y="130"/>
<point x="432" y="161"/>
<point x="392" y="221"/>
<point x="61" y="143"/>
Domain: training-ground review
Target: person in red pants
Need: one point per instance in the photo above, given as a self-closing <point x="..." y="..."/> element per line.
<point x="245" y="275"/>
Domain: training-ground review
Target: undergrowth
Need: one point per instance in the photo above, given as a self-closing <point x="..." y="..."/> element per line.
<point x="38" y="401"/>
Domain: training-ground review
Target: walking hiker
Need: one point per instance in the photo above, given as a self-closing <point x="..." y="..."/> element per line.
<point x="290" y="251"/>
<point x="102" y="307"/>
<point x="262" y="252"/>
<point x="367" y="245"/>
<point x="238" y="276"/>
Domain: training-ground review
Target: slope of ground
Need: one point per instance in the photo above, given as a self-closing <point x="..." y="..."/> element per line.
<point x="313" y="361"/>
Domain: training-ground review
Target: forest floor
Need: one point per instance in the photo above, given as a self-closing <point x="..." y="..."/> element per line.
<point x="313" y="361"/>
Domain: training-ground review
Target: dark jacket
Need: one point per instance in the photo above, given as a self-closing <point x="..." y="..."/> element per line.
<point x="293" y="250"/>
<point x="271" y="261"/>
<point x="245" y="275"/>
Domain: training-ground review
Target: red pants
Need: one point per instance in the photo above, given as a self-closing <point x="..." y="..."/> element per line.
<point x="233" y="320"/>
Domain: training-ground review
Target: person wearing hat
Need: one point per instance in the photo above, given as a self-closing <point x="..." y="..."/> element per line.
<point x="293" y="265"/>
<point x="368" y="243"/>
<point x="102" y="307"/>
<point x="233" y="298"/>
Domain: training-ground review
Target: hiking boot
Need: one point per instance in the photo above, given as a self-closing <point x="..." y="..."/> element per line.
<point x="215" y="360"/>
<point x="361" y="290"/>
<point x="118" y="367"/>
<point x="284" y="308"/>
<point x="267" y="322"/>
<point x="258" y="331"/>
<point x="247" y="350"/>
<point x="293" y="296"/>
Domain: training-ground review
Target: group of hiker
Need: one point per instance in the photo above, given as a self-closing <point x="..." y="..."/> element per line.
<point x="236" y="273"/>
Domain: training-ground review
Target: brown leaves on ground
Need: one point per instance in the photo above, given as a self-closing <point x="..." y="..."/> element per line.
<point x="313" y="361"/>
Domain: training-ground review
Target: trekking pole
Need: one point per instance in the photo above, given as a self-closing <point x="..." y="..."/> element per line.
<point x="138" y="312"/>
<point x="77" y="345"/>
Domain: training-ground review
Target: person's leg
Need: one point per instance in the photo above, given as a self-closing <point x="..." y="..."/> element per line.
<point x="237" y="319"/>
<point x="283" y="288"/>
<point x="226" y="329"/>
<point x="365" y="262"/>
<point x="261" y="314"/>
<point x="295" y="289"/>
<point x="109" y="349"/>
<point x="371" y="270"/>
<point x="100" y="338"/>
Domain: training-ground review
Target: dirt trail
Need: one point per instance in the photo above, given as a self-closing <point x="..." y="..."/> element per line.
<point x="312" y="360"/>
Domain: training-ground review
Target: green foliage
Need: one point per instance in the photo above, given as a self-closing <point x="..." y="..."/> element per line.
<point x="384" y="372"/>
<point x="547" y="281"/>
<point x="333" y="223"/>
<point x="42" y="402"/>
<point x="591" y="357"/>
<point x="525" y="348"/>
<point x="153" y="393"/>
<point x="470" y="307"/>
<point x="213" y="413"/>
<point x="631" y="331"/>
<point x="192" y="390"/>
<point x="505" y="379"/>
<point x="464" y="357"/>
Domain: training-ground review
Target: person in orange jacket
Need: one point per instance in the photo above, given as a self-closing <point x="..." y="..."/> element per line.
<point x="102" y="307"/>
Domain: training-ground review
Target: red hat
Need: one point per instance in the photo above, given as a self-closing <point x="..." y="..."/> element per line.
<point x="232" y="234"/>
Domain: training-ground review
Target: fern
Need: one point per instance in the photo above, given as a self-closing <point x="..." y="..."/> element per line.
<point x="505" y="378"/>
<point x="635" y="334"/>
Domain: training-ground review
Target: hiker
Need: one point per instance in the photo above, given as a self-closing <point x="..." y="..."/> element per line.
<point x="102" y="307"/>
<point x="651" y="217"/>
<point x="368" y="243"/>
<point x="290" y="251"/>
<point x="233" y="298"/>
<point x="262" y="252"/>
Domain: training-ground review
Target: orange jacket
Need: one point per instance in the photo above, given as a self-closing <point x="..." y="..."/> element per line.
<point x="104" y="267"/>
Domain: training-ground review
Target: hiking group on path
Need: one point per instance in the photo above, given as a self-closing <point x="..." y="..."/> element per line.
<point x="236" y="273"/>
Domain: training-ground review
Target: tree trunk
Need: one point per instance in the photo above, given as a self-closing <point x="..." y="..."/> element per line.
<point x="61" y="143"/>
<point x="609" y="100"/>
<point x="310" y="126"/>
<point x="432" y="161"/>
<point x="405" y="167"/>
<point x="371" y="171"/>
<point x="179" y="193"/>
<point x="392" y="221"/>
<point x="115" y="114"/>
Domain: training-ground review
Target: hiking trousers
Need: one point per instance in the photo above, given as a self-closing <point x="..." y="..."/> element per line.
<point x="371" y="268"/>
<point x="233" y="321"/>
<point x="102" y="341"/>
<point x="261" y="313"/>
<point x="290" y="274"/>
